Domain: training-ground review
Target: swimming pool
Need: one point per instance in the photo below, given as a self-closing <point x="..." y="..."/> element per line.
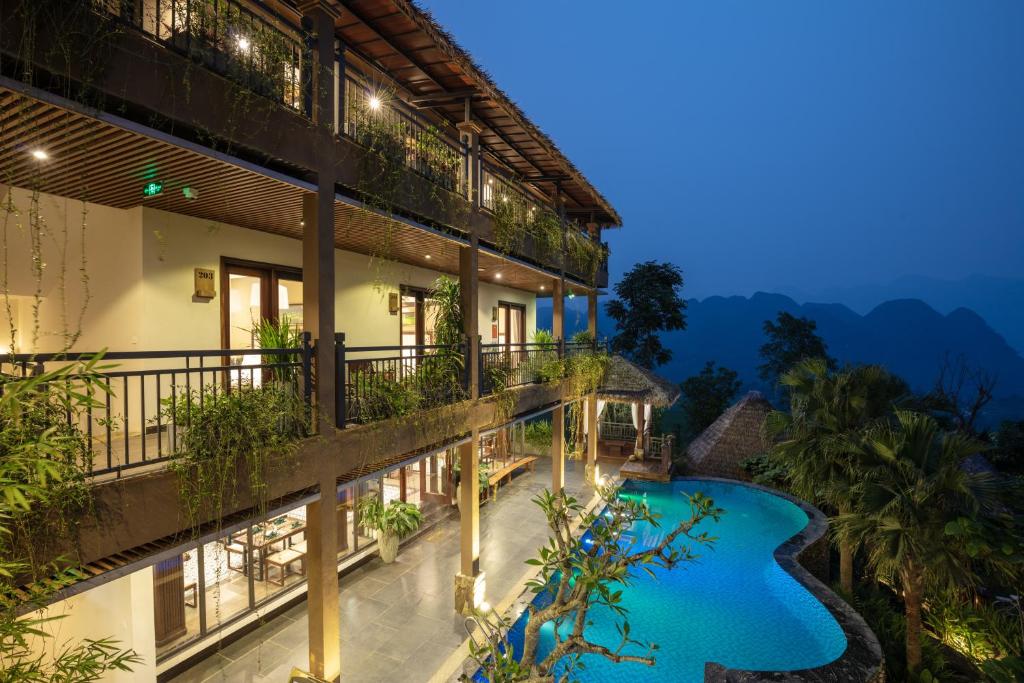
<point x="735" y="606"/>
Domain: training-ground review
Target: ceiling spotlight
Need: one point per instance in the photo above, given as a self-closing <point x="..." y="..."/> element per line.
<point x="542" y="288"/>
<point x="374" y="102"/>
<point x="39" y="154"/>
<point x="427" y="257"/>
<point x="497" y="276"/>
<point x="302" y="224"/>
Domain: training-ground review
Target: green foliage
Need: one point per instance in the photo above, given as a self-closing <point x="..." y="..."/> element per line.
<point x="538" y="435"/>
<point x="446" y="297"/>
<point x="705" y="396"/>
<point x="648" y="302"/>
<point x="790" y="340"/>
<point x="233" y="432"/>
<point x="43" y="464"/>
<point x="396" y="518"/>
<point x="542" y="336"/>
<point x="980" y="631"/>
<point x="279" y="334"/>
<point x="1007" y="453"/>
<point x="583" y="338"/>
<point x="882" y="611"/>
<point x="765" y="470"/>
<point x="579" y="578"/>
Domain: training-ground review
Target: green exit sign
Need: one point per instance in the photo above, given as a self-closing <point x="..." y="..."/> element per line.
<point x="152" y="189"/>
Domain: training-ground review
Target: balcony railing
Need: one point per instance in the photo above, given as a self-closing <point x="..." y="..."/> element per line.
<point x="380" y="382"/>
<point x="617" y="431"/>
<point x="260" y="51"/>
<point x="513" y="365"/>
<point x="379" y="122"/>
<point x="147" y="399"/>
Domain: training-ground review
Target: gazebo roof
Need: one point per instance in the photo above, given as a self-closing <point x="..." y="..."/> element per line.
<point x="626" y="382"/>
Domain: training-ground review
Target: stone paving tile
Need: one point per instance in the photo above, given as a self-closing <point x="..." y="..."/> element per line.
<point x="397" y="621"/>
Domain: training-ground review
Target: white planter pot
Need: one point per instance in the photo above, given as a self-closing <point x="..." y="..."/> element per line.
<point x="387" y="545"/>
<point x="458" y="497"/>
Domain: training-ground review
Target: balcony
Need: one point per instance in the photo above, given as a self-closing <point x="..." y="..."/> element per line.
<point x="147" y="401"/>
<point x="161" y="58"/>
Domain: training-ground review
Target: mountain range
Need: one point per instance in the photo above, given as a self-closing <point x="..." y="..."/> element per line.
<point x="907" y="336"/>
<point x="999" y="300"/>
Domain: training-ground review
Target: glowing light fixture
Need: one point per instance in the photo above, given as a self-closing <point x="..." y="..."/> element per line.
<point x="497" y="276"/>
<point x="542" y="288"/>
<point x="152" y="188"/>
<point x="40" y="154"/>
<point x="243" y="43"/>
<point x="375" y="102"/>
<point x="427" y="257"/>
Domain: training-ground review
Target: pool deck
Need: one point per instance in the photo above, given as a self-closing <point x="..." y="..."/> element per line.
<point x="398" y="621"/>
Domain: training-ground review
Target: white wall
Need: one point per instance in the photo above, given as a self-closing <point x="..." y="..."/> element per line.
<point x="113" y="250"/>
<point x="121" y="609"/>
<point x="141" y="264"/>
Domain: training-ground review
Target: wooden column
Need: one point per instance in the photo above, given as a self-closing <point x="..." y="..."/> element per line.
<point x="557" y="311"/>
<point x="469" y="287"/>
<point x="558" y="448"/>
<point x="469" y="582"/>
<point x="318" y="286"/>
<point x="593" y="474"/>
<point x="469" y="132"/>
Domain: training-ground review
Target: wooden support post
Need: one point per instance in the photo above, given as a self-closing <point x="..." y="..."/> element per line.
<point x="469" y="582"/>
<point x="469" y="287"/>
<point x="593" y="474"/>
<point x="558" y="448"/>
<point x="557" y="311"/>
<point x="592" y="313"/>
<point x="318" y="319"/>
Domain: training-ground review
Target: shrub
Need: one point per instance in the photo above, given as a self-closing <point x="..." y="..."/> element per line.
<point x="538" y="435"/>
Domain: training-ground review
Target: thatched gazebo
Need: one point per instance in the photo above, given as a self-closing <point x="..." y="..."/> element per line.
<point x="736" y="435"/>
<point x="627" y="382"/>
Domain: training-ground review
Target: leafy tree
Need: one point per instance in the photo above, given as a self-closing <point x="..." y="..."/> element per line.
<point x="925" y="520"/>
<point x="648" y="302"/>
<point x="819" y="439"/>
<point x="707" y="395"/>
<point x="1007" y="454"/>
<point x="576" y="578"/>
<point x="790" y="340"/>
<point x="42" y="464"/>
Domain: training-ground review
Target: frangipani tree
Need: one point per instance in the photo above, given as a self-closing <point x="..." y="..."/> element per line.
<point x="580" y="576"/>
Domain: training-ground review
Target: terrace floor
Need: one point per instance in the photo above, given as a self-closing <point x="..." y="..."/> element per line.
<point x="397" y="621"/>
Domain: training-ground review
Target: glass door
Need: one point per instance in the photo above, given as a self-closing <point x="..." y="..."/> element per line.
<point x="418" y="315"/>
<point x="253" y="294"/>
<point x="511" y="324"/>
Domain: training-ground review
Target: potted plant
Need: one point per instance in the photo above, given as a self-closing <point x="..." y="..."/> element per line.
<point x="391" y="522"/>
<point x="483" y="475"/>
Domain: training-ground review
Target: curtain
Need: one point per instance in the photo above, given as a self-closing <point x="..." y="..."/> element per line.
<point x="647" y="418"/>
<point x="635" y="410"/>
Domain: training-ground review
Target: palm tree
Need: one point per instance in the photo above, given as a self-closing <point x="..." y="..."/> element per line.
<point x="912" y="490"/>
<point x="818" y="440"/>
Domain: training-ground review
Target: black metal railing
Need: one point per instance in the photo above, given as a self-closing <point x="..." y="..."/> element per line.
<point x="147" y="398"/>
<point x="514" y="365"/>
<point x="380" y="122"/>
<point x="255" y="48"/>
<point x="380" y="382"/>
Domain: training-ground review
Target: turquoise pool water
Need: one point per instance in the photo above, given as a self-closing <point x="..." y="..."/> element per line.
<point x="735" y="606"/>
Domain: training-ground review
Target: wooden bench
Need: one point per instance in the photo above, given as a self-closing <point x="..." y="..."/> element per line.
<point x="282" y="559"/>
<point x="496" y="477"/>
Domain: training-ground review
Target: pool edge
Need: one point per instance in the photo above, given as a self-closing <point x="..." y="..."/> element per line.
<point x="862" y="659"/>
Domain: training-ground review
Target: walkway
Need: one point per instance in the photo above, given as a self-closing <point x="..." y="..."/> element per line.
<point x="398" y="623"/>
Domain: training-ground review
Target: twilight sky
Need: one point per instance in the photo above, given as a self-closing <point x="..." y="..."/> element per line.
<point x="779" y="145"/>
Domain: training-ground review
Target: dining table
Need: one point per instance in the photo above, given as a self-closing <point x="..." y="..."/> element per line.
<point x="278" y="530"/>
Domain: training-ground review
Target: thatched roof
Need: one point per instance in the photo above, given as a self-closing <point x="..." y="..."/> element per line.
<point x="736" y="435"/>
<point x="626" y="382"/>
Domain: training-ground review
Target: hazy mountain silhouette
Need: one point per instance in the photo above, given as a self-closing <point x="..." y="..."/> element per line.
<point x="907" y="336"/>
<point x="1000" y="301"/>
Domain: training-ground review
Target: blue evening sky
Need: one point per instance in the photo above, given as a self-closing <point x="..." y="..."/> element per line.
<point x="779" y="144"/>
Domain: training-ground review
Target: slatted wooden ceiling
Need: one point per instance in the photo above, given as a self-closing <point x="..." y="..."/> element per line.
<point x="107" y="164"/>
<point x="406" y="43"/>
